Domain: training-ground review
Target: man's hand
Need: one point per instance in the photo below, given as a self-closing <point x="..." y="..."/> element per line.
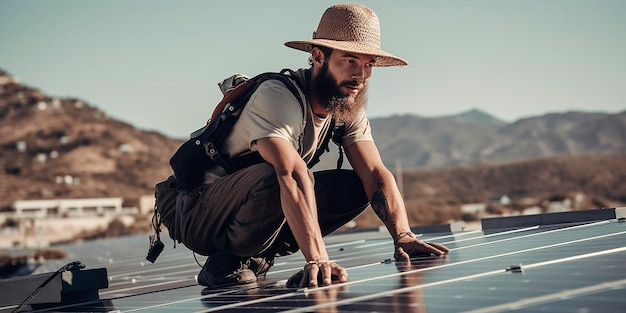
<point x="317" y="273"/>
<point x="409" y="246"/>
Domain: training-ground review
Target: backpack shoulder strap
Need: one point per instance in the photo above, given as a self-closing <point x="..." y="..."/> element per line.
<point x="291" y="83"/>
<point x="336" y="130"/>
<point x="241" y="93"/>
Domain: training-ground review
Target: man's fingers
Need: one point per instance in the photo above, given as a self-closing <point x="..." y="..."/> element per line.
<point x="439" y="247"/>
<point x="402" y="256"/>
<point x="311" y="271"/>
<point x="326" y="273"/>
<point x="417" y="248"/>
<point x="304" y="279"/>
<point x="342" y="274"/>
<point x="436" y="248"/>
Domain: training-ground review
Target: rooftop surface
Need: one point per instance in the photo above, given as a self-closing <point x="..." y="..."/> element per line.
<point x="560" y="264"/>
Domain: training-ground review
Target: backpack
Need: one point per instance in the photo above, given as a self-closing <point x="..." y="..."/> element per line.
<point x="202" y="151"/>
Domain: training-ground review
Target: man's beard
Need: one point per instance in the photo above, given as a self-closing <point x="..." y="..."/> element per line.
<point x="343" y="107"/>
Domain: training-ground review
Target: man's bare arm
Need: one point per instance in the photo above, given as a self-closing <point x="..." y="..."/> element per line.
<point x="386" y="200"/>
<point x="297" y="196"/>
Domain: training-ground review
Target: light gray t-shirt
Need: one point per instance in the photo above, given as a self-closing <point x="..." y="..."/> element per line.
<point x="274" y="112"/>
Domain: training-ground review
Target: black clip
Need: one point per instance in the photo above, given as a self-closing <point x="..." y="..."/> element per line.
<point x="156" y="247"/>
<point x="517" y="268"/>
<point x="73" y="266"/>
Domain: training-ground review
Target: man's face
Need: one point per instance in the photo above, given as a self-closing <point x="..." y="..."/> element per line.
<point x="341" y="83"/>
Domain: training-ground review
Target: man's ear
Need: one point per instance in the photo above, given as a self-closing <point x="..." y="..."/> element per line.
<point x="317" y="56"/>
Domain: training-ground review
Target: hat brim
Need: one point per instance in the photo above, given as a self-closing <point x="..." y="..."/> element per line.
<point x="382" y="58"/>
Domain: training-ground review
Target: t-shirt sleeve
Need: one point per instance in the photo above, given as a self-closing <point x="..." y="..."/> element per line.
<point x="272" y="112"/>
<point x="357" y="130"/>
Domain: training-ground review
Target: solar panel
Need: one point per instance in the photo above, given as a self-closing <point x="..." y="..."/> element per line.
<point x="562" y="267"/>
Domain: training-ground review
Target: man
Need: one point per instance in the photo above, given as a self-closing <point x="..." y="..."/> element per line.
<point x="245" y="219"/>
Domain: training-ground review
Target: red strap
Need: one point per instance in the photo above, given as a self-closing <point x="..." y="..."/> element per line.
<point x="230" y="96"/>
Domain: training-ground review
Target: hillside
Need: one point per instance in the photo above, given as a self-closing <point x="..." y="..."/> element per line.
<point x="441" y="143"/>
<point x="602" y="177"/>
<point x="67" y="148"/>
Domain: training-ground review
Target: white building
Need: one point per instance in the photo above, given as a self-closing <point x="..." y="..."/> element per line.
<point x="474" y="208"/>
<point x="70" y="207"/>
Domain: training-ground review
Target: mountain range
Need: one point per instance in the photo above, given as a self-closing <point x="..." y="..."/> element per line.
<point x="66" y="148"/>
<point x="477" y="138"/>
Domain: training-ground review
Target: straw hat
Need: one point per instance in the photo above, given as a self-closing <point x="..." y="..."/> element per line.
<point x="349" y="27"/>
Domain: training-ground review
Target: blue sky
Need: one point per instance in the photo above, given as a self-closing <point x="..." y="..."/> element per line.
<point x="155" y="64"/>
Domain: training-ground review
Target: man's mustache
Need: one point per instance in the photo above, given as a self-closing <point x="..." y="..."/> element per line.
<point x="352" y="83"/>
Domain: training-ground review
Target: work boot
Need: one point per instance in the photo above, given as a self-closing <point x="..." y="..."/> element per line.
<point x="222" y="270"/>
<point x="260" y="265"/>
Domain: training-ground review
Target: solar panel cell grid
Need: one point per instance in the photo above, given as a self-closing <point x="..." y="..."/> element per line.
<point x="565" y="268"/>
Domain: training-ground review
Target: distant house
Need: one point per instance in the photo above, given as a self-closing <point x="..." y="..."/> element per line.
<point x="501" y="199"/>
<point x="559" y="206"/>
<point x="70" y="207"/>
<point x="532" y="211"/>
<point x="125" y="148"/>
<point x="474" y="208"/>
<point x="146" y="204"/>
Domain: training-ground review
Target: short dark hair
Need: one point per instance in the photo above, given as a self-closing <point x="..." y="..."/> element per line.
<point x="325" y="50"/>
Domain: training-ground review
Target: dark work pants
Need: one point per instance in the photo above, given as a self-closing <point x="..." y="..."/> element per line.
<point x="241" y="213"/>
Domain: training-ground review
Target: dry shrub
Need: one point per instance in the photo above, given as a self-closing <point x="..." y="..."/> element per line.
<point x="9" y="264"/>
<point x="496" y="209"/>
<point x="9" y="260"/>
<point x="368" y="219"/>
<point x="419" y="213"/>
<point x="432" y="213"/>
<point x="470" y="217"/>
<point x="117" y="228"/>
<point x="142" y="224"/>
<point x="50" y="254"/>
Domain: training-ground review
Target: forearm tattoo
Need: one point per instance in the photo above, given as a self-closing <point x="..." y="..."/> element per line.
<point x="380" y="204"/>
